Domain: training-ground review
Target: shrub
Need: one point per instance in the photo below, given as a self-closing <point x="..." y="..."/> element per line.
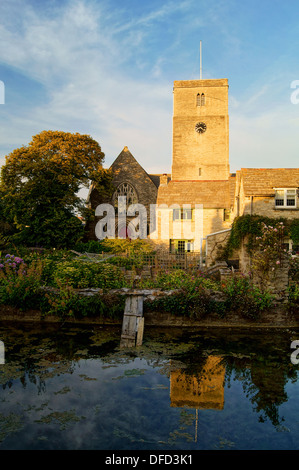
<point x="123" y="261"/>
<point x="131" y="247"/>
<point x="68" y="303"/>
<point x="79" y="274"/>
<point x="179" y="279"/>
<point x="193" y="297"/>
<point x="92" y="246"/>
<point x="244" y="297"/>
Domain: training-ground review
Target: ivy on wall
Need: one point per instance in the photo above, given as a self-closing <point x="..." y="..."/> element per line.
<point x="250" y="226"/>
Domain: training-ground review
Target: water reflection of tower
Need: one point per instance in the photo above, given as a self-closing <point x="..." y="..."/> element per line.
<point x="201" y="389"/>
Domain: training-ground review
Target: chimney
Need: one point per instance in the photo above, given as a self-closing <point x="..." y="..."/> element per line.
<point x="164" y="179"/>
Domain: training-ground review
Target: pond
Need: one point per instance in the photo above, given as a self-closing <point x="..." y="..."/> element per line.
<point x="75" y="387"/>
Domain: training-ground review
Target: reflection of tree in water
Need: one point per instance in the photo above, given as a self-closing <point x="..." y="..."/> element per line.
<point x="36" y="354"/>
<point x="263" y="382"/>
<point x="35" y="372"/>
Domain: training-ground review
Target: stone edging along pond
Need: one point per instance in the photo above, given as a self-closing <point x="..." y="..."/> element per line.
<point x="277" y="318"/>
<point x="158" y="319"/>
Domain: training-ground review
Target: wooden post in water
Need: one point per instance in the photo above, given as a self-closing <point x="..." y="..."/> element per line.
<point x="133" y="321"/>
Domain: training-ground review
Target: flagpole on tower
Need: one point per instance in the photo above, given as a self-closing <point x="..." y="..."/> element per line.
<point x="200" y="62"/>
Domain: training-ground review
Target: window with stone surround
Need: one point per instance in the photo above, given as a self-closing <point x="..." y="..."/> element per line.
<point x="285" y="198"/>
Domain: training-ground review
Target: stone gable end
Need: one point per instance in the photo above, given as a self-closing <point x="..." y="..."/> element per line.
<point x="127" y="169"/>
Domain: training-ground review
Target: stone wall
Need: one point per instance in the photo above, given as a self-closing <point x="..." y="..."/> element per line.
<point x="265" y="206"/>
<point x="214" y="244"/>
<point x="275" y="281"/>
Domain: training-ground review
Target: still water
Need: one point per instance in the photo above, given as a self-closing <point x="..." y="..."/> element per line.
<point x="76" y="388"/>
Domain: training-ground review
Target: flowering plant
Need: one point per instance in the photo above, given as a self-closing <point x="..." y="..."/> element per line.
<point x="271" y="251"/>
<point x="10" y="260"/>
<point x="19" y="283"/>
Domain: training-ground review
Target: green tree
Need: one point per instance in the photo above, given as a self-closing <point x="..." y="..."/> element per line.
<point x="40" y="184"/>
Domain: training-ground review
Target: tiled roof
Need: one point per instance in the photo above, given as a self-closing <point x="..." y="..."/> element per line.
<point x="262" y="181"/>
<point x="212" y="194"/>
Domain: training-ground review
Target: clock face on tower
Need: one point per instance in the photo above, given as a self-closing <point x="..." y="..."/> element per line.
<point x="200" y="127"/>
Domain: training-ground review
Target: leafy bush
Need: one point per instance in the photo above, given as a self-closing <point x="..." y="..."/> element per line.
<point x="68" y="303"/>
<point x="245" y="298"/>
<point x="132" y="247"/>
<point x="92" y="246"/>
<point x="79" y="275"/>
<point x="193" y="298"/>
<point x="179" y="279"/>
<point x="125" y="262"/>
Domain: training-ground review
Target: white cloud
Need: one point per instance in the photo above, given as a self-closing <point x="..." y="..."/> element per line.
<point x="79" y="61"/>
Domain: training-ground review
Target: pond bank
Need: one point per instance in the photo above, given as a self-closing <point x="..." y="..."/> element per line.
<point x="272" y="319"/>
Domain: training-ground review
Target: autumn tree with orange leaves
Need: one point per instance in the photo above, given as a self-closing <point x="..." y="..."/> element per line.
<point x="40" y="184"/>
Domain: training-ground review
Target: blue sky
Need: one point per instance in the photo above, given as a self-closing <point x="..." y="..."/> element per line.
<point x="106" y="68"/>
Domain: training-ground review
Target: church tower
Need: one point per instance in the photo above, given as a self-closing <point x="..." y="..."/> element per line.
<point x="200" y="130"/>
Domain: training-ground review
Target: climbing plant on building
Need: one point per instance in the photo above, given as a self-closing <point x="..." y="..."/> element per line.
<point x="248" y="229"/>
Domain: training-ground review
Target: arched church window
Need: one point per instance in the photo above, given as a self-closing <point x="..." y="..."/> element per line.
<point x="198" y="100"/>
<point x="127" y="190"/>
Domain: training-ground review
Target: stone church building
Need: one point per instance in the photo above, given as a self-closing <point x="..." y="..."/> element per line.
<point x="199" y="200"/>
